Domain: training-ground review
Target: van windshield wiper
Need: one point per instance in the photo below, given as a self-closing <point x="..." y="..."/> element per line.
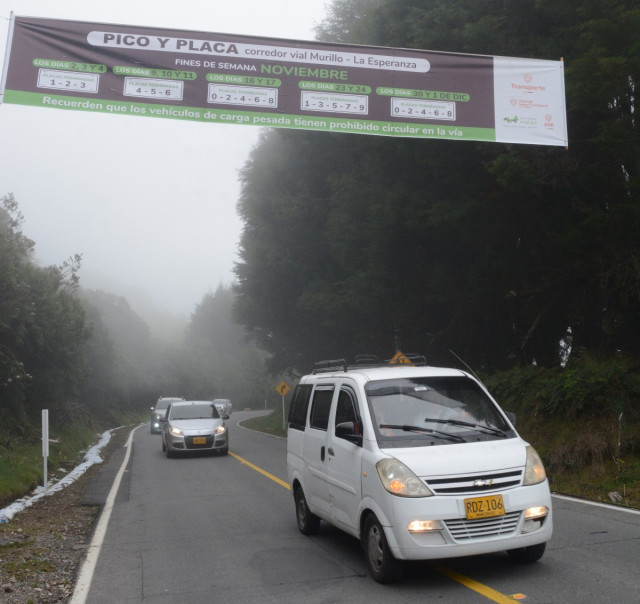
<point x="457" y="422"/>
<point x="437" y="433"/>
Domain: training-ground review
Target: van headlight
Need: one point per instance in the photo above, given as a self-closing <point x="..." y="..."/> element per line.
<point x="400" y="480"/>
<point x="534" y="470"/>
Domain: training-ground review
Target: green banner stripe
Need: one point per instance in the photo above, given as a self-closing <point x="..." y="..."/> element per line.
<point x="334" y="87"/>
<point x="230" y="78"/>
<point x="70" y="65"/>
<point x="149" y="72"/>
<point x="222" y="115"/>
<point x="429" y="95"/>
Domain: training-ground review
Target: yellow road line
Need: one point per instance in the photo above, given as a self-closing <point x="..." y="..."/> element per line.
<point x="487" y="592"/>
<point x="484" y="590"/>
<point x="282" y="483"/>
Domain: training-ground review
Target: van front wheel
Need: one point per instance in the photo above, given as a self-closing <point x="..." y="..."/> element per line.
<point x="308" y="523"/>
<point x="384" y="568"/>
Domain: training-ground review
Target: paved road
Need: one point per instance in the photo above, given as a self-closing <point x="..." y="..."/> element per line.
<point x="222" y="529"/>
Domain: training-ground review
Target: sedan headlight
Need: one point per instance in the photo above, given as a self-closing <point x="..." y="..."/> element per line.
<point x="221" y="429"/>
<point x="176" y="431"/>
<point x="400" y="480"/>
<point x="534" y="471"/>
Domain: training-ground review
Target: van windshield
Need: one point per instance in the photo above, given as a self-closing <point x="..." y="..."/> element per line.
<point x="425" y="411"/>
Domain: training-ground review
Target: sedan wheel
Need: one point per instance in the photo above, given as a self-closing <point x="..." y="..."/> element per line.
<point x="384" y="568"/>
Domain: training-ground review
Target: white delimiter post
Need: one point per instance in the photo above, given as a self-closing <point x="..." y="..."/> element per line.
<point x="45" y="442"/>
<point x="283" y="423"/>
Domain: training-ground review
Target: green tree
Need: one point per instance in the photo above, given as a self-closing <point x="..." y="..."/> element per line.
<point x="491" y="250"/>
<point x="122" y="350"/>
<point x="15" y="257"/>
<point x="42" y="329"/>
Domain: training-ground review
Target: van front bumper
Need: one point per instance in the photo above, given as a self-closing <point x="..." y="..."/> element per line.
<point x="451" y="534"/>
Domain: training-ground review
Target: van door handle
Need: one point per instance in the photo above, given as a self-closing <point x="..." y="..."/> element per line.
<point x="330" y="451"/>
<point x="321" y="453"/>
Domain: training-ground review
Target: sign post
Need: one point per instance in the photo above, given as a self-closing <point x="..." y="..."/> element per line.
<point x="282" y="388"/>
<point x="45" y="443"/>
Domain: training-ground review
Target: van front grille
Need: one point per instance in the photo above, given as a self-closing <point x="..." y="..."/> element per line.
<point x="483" y="483"/>
<point x="465" y="530"/>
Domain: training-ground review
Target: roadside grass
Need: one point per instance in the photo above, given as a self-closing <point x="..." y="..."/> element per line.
<point x="33" y="562"/>
<point x="21" y="467"/>
<point x="270" y="423"/>
<point x="22" y="462"/>
<point x="597" y="481"/>
<point x="584" y="421"/>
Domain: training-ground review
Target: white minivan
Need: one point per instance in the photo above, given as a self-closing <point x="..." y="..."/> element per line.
<point x="417" y="462"/>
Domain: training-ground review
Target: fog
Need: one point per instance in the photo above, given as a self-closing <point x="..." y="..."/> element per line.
<point x="149" y="203"/>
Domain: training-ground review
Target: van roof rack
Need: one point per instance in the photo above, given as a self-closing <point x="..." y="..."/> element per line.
<point x="329" y="366"/>
<point x="366" y="360"/>
<point x="362" y="361"/>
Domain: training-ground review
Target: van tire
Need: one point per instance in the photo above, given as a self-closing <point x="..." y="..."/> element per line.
<point x="308" y="523"/>
<point x="384" y="568"/>
<point x="527" y="555"/>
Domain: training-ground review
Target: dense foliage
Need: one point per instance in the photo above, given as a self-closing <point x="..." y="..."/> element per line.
<point x="42" y="328"/>
<point x="89" y="359"/>
<point x="124" y="362"/>
<point x="497" y="252"/>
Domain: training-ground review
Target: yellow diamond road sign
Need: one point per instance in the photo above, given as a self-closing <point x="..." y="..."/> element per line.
<point x="282" y="388"/>
<point x="399" y="359"/>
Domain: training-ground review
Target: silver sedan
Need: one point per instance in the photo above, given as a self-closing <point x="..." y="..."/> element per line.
<point x="194" y="426"/>
<point x="224" y="407"/>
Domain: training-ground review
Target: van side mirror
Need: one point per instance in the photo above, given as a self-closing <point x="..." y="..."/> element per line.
<point x="512" y="417"/>
<point x="350" y="431"/>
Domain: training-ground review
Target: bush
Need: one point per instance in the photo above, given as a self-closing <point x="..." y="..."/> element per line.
<point x="584" y="415"/>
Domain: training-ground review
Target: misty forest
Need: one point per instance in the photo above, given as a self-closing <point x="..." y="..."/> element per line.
<point x="523" y="261"/>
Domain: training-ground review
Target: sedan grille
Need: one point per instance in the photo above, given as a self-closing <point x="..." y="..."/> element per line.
<point x="465" y="530"/>
<point x="208" y="444"/>
<point x="485" y="483"/>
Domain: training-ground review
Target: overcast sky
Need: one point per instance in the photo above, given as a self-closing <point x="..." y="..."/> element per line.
<point x="149" y="203"/>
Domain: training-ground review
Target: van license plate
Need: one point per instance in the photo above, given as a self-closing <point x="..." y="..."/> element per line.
<point x="484" y="507"/>
<point x="199" y="440"/>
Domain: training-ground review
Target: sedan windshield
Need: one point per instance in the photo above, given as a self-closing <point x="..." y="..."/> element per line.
<point x="194" y="412"/>
<point x="428" y="411"/>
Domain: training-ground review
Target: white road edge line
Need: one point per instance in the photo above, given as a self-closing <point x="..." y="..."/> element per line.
<point x="598" y="504"/>
<point x="85" y="575"/>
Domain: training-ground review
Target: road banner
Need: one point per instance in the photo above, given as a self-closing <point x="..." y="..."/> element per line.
<point x="223" y="78"/>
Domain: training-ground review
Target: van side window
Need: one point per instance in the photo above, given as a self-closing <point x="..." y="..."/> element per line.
<point x="320" y="408"/>
<point x="299" y="406"/>
<point x="347" y="410"/>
